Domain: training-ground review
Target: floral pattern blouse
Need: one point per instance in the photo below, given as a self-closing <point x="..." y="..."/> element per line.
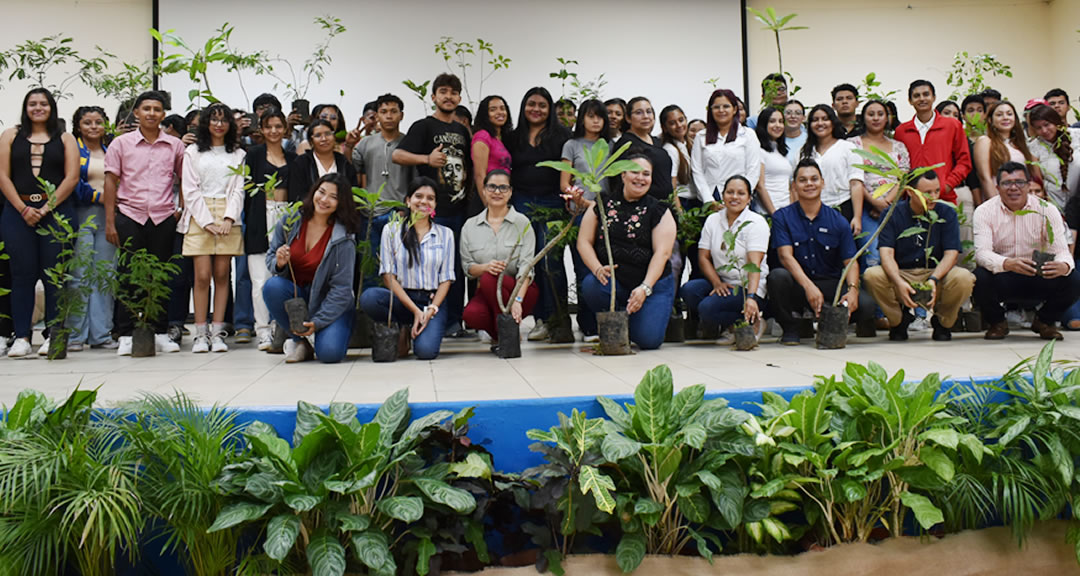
<point x="631" y="225"/>
<point x="899" y="154"/>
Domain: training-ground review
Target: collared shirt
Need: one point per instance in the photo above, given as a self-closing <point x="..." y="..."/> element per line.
<point x="712" y="164"/>
<point x="480" y="243"/>
<point x="146" y="172"/>
<point x="910" y="252"/>
<point x="839" y="166"/>
<point x="753" y="238"/>
<point x="1001" y="234"/>
<point x="435" y="258"/>
<point x="372" y="157"/>
<point x="820" y="245"/>
<point x="924" y="127"/>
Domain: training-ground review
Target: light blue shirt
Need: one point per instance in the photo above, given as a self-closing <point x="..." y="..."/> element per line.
<point x="435" y="262"/>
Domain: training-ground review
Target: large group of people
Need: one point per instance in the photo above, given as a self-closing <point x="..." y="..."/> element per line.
<point x="772" y="215"/>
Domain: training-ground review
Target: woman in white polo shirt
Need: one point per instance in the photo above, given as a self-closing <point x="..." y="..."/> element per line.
<point x="841" y="168"/>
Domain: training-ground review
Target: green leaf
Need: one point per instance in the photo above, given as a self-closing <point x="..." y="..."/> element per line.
<point x="1059" y="455"/>
<point x="925" y="512"/>
<point x="601" y="486"/>
<point x="630" y="551"/>
<point x="942" y="437"/>
<point x="686" y="403"/>
<point x="281" y="534"/>
<point x="354" y="523"/>
<point x="326" y="555"/>
<point x="616" y="413"/>
<point x="308" y="417"/>
<point x="474" y="534"/>
<point x="238" y="513"/>
<point x="702" y="544"/>
<point x="938" y="461"/>
<point x="616" y="447"/>
<point x="1014" y="430"/>
<point x="391" y="416"/>
<point x="853" y="490"/>
<point x="776" y="529"/>
<point x="416" y="427"/>
<point x="652" y="400"/>
<point x="695" y="435"/>
<point x="974" y="446"/>
<point x="301" y="502"/>
<point x="373" y="549"/>
<point x="695" y="507"/>
<point x="474" y="466"/>
<point x="440" y="492"/>
<point x="408" y="509"/>
<point x="424" y="551"/>
<point x="20" y="413"/>
<point x="554" y="562"/>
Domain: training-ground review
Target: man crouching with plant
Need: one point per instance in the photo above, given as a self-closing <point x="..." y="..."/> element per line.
<point x="1012" y="231"/>
<point x="921" y="232"/>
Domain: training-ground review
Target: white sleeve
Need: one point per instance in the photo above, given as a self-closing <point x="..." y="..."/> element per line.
<point x="697" y="168"/>
<point x="753" y="159"/>
<point x="757" y="238"/>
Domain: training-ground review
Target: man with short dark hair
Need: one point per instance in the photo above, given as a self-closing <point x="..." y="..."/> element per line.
<point x="140" y="212"/>
<point x="1058" y="99"/>
<point x="845" y="102"/>
<point x="440" y="149"/>
<point x="372" y="158"/>
<point x="973" y="111"/>
<point x="814" y="244"/>
<point x="990" y="97"/>
<point x="933" y="139"/>
<point x="1008" y="229"/>
<point x="567" y="113"/>
<point x="370" y="119"/>
<point x="904" y="261"/>
<point x="774" y="91"/>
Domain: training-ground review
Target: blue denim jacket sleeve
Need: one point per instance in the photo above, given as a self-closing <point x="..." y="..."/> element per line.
<point x="276" y="241"/>
<point x="339" y="294"/>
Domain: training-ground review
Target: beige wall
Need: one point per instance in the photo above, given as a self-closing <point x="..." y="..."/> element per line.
<point x="118" y="26"/>
<point x="901" y="40"/>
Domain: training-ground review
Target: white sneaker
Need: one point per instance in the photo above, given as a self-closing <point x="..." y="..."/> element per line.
<point x="19" y="349"/>
<point x="3" y="345"/>
<point x="591" y="338"/>
<point x="124" y="346"/>
<point x="217" y="343"/>
<point x="76" y="347"/>
<point x="44" y="350"/>
<point x="289" y="348"/>
<point x="301" y="352"/>
<point x="164" y="344"/>
<point x="265" y="341"/>
<point x="201" y="344"/>
<point x="539" y="332"/>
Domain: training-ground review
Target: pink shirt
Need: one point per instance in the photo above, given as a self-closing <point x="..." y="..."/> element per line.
<point x="146" y="172"/>
<point x="498" y="155"/>
<point x="1001" y="234"/>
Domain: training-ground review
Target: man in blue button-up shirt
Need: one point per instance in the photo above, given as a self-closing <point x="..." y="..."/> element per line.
<point x="813" y="243"/>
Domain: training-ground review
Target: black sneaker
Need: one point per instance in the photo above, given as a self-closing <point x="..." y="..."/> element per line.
<point x="175" y="333"/>
<point x="941" y="333"/>
<point x="899" y="333"/>
<point x="277" y="345"/>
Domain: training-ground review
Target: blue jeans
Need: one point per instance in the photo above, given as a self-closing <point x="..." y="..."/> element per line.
<point x="94" y="327"/>
<point x="551" y="275"/>
<point x="243" y="306"/>
<point x="376" y="303"/>
<point x="1073" y="313"/>
<point x="455" y="299"/>
<point x="869" y="225"/>
<point x="30" y="254"/>
<point x="648" y="325"/>
<point x="331" y="343"/>
<point x="586" y="317"/>
<point x="714" y="310"/>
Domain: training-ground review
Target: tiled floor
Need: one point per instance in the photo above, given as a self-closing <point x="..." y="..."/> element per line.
<point x="467" y="371"/>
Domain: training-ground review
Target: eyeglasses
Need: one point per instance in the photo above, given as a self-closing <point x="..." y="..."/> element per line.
<point x="219" y="121"/>
<point x="794" y="113"/>
<point x="500" y="188"/>
<point x="1013" y="184"/>
<point x="322" y="135"/>
<point x="645" y="112"/>
<point x="328" y="117"/>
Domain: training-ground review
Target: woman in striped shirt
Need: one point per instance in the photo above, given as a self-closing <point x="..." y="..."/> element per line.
<point x="417" y="268"/>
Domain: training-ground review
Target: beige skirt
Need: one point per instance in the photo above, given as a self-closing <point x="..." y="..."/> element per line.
<point x="199" y="242"/>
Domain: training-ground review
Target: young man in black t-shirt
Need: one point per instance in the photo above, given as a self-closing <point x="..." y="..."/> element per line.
<point x="440" y="149"/>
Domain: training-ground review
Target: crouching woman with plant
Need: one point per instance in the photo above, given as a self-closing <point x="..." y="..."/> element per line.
<point x="641" y="235"/>
<point x="731" y="290"/>
<point x="417" y="267"/>
<point x="312" y="256"/>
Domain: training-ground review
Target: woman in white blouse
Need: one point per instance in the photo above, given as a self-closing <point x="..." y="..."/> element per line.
<point x="718" y="297"/>
<point x="773" y="190"/>
<point x="841" y="168"/>
<point x="724" y="149"/>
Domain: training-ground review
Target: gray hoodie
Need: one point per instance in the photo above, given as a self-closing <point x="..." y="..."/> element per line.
<point x="331" y="290"/>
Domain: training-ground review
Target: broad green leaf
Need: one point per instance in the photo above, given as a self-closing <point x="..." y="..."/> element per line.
<point x="554" y="562"/>
<point x="343" y="412"/>
<point x="373" y="549"/>
<point x="702" y="545"/>
<point x="853" y="490"/>
<point x="308" y="417"/>
<point x="601" y="486"/>
<point x="281" y="534"/>
<point x="474" y="534"/>
<point x="974" y="446"/>
<point x="686" y="403"/>
<point x="942" y="437"/>
<point x="616" y="413"/>
<point x="301" y="502"/>
<point x="424" y="551"/>
<point x="353" y="523"/>
<point x="274" y="448"/>
<point x="238" y="513"/>
<point x="325" y="555"/>
<point x="392" y="415"/>
<point x="440" y="492"/>
<point x="474" y="466"/>
<point x="616" y="447"/>
<point x="1059" y="455"/>
<point x="925" y="512"/>
<point x="630" y="551"/>
<point x="652" y="400"/>
<point x="1014" y="430"/>
<point x="667" y="462"/>
<point x="695" y="507"/>
<point x="694" y="435"/>
<point x="20" y="413"/>
<point x="776" y="529"/>
<point x="408" y="509"/>
<point x="541" y="436"/>
<point x="417" y="427"/>
<point x="1069" y="410"/>
<point x="938" y="461"/>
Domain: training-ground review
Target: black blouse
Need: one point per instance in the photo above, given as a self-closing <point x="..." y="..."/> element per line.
<point x="661" y="188"/>
<point x="631" y="225"/>
<point x="256" y="237"/>
<point x="303" y="173"/>
<point x="529" y="179"/>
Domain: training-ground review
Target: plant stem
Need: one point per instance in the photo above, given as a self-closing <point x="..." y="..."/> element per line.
<point x="779" y="54"/>
<point x="607" y="243"/>
<point x="855" y="259"/>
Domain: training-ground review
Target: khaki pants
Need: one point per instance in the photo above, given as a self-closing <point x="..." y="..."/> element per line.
<point x="952" y="291"/>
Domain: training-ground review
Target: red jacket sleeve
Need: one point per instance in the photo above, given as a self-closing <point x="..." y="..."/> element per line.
<point x="961" y="159"/>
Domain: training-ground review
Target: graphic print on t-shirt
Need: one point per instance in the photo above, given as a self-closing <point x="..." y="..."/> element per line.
<point x="452" y="175"/>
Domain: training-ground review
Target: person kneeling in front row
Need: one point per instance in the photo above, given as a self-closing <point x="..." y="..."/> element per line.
<point x="905" y="261"/>
<point x="314" y="256"/>
<point x="1004" y="244"/>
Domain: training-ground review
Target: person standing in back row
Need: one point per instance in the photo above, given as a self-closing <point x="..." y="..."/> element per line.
<point x="440" y="149"/>
<point x="933" y="139"/>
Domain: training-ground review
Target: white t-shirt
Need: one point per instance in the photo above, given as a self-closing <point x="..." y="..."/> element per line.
<point x="215" y="169"/>
<point x="839" y="166"/>
<point x="674" y="150"/>
<point x="713" y="164"/>
<point x="753" y="238"/>
<point x="777" y="181"/>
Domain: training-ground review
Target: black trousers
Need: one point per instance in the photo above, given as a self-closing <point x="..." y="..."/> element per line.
<point x="158" y="240"/>
<point x="1055" y="294"/>
<point x="788" y="299"/>
<point x="7" y="326"/>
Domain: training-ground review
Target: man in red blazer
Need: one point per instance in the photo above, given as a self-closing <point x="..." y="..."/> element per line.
<point x="932" y="139"/>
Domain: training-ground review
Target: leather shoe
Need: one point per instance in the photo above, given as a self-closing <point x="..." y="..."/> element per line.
<point x="1045" y="331"/>
<point x="941" y="333"/>
<point x="899" y="333"/>
<point x="997" y="331"/>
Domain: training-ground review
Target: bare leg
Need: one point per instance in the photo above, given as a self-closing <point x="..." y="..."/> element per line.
<point x="201" y="288"/>
<point x="221" y="286"/>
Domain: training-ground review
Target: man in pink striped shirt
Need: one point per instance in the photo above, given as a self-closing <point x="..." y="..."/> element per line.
<point x="1009" y="229"/>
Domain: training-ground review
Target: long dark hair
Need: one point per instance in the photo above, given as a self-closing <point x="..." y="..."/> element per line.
<point x="346" y="213"/>
<point x="52" y="124"/>
<point x="409" y="237"/>
<point x="483" y="119"/>
<point x="83" y="111"/>
<point x="202" y="135"/>
<point x="552" y="127"/>
<point x="596" y="108"/>
<point x="683" y="176"/>
<point x="861" y="124"/>
<point x="1062" y="145"/>
<point x="625" y="124"/>
<point x="762" y="130"/>
<point x="341" y="125"/>
<point x="811" y="139"/>
<point x="712" y="131"/>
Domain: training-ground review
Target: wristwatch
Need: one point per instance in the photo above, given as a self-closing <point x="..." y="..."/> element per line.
<point x="646" y="288"/>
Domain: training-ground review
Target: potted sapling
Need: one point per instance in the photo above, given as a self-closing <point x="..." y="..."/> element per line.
<point x="296" y="308"/>
<point x="745" y="336"/>
<point x="834" y="317"/>
<point x="1042" y="254"/>
<point x="142" y="286"/>
<point x="368" y="203"/>
<point x="508" y="328"/>
<point x="924" y="291"/>
<point x="613" y="326"/>
<point x="386" y="341"/>
<point x="313" y="69"/>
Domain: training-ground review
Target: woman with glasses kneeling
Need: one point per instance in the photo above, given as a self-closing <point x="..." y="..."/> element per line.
<point x="642" y="235"/>
<point x="313" y="256"/>
<point x="497" y="240"/>
<point x="417" y="266"/>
